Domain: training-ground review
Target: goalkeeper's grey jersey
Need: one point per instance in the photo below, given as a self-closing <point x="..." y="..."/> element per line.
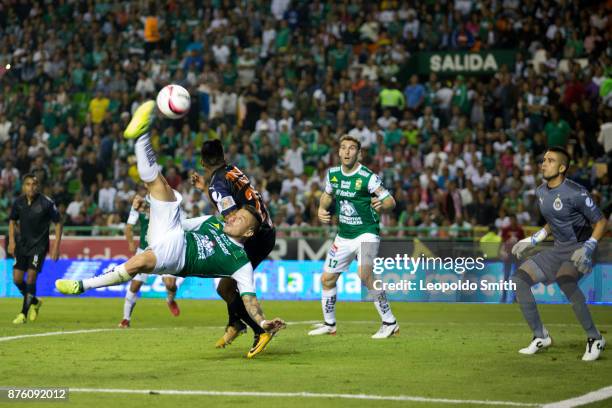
<point x="569" y="210"/>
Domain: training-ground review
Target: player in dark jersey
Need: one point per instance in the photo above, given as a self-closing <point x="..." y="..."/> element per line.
<point x="34" y="212"/>
<point x="230" y="189"/>
<point x="576" y="225"/>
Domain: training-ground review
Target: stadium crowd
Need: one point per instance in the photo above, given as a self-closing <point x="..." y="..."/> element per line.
<point x="278" y="82"/>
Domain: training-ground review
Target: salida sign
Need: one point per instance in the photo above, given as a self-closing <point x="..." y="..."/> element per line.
<point x="487" y="62"/>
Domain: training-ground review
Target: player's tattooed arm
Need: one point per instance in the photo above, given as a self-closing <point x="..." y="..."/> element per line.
<point x="253" y="308"/>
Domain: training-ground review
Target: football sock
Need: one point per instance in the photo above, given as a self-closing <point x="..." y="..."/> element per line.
<point x="382" y="305"/>
<point x="171" y="294"/>
<point x="527" y="303"/>
<point x="117" y="275"/>
<point x="129" y="304"/>
<point x="237" y="308"/>
<point x="29" y="298"/>
<point x="22" y="287"/>
<point x="328" y="303"/>
<point x="146" y="159"/>
<point x="569" y="286"/>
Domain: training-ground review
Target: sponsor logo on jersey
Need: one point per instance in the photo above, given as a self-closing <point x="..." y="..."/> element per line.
<point x="332" y="250"/>
<point x="346" y="208"/>
<point x="345" y="184"/>
<point x="349" y="194"/>
<point x="541" y="200"/>
<point x="588" y="202"/>
<point x="558" y="204"/>
<point x="206" y="247"/>
<point x="358" y="183"/>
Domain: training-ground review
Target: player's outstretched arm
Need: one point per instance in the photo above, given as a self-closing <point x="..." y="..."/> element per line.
<point x="254" y="309"/>
<point x="524" y="244"/>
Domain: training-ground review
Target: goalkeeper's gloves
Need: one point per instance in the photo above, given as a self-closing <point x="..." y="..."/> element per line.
<point x="524" y="244"/>
<point x="583" y="257"/>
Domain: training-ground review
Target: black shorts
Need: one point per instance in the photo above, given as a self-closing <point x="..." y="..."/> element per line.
<point x="25" y="262"/>
<point x="259" y="247"/>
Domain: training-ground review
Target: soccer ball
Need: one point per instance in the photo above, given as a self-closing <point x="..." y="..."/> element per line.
<point x="173" y="101"/>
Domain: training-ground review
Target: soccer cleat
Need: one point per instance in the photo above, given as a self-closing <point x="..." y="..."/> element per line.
<point x="386" y="330"/>
<point x="323" y="328"/>
<point x="594" y="348"/>
<point x="174" y="308"/>
<point x="69" y="287"/>
<point x="124" y="324"/>
<point x="20" y="319"/>
<point x="231" y="334"/>
<point x="260" y="343"/>
<point x="536" y="345"/>
<point x="141" y="121"/>
<point x="33" y="312"/>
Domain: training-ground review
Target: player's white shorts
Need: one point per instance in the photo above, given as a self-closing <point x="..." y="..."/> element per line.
<point x="142" y="277"/>
<point x="343" y="251"/>
<point x="166" y="236"/>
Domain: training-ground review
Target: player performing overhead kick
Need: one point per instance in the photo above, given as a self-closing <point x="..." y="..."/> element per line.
<point x="139" y="213"/>
<point x="576" y="225"/>
<point x="352" y="185"/>
<point x="195" y="247"/>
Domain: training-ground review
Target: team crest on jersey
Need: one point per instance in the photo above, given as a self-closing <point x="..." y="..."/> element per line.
<point x="358" y="183"/>
<point x="346" y="208"/>
<point x="558" y="204"/>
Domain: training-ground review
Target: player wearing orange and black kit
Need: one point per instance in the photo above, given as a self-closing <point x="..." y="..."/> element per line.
<point x="230" y="189"/>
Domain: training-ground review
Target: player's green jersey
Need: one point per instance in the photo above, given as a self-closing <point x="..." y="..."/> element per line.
<point x="211" y="253"/>
<point x="143" y="220"/>
<point x="353" y="194"/>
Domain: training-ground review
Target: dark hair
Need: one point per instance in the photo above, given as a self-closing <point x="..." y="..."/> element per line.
<point x="28" y="176"/>
<point x="253" y="211"/>
<point x="565" y="156"/>
<point x="212" y="153"/>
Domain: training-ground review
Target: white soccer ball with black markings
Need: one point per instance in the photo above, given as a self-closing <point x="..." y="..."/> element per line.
<point x="173" y="101"/>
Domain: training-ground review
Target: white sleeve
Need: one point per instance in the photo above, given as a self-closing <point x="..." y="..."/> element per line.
<point x="328" y="187"/>
<point x="244" y="279"/>
<point x="133" y="217"/>
<point x="191" y="224"/>
<point x="374" y="184"/>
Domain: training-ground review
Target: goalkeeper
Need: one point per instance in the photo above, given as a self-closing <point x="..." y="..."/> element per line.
<point x="576" y="225"/>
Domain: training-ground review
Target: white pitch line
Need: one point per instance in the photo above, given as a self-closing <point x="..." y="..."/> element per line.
<point x="593" y="396"/>
<point x="60" y="333"/>
<point x="304" y="395"/>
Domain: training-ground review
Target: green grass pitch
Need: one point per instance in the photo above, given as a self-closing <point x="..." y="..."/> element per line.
<point x="450" y="351"/>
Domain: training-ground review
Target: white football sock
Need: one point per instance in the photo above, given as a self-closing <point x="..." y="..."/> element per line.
<point x="382" y="305"/>
<point x="146" y="159"/>
<point x="328" y="302"/>
<point x="117" y="275"/>
<point x="130" y="303"/>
